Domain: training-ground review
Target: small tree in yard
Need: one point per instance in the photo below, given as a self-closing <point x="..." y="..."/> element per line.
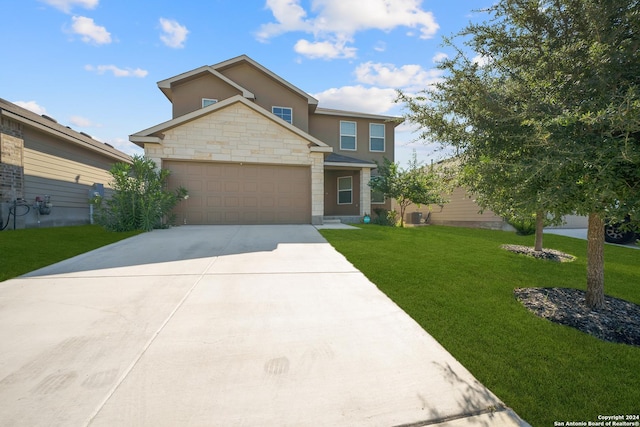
<point x="140" y="199"/>
<point x="415" y="185"/>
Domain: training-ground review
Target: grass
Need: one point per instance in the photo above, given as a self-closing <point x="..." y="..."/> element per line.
<point x="29" y="249"/>
<point x="458" y="285"/>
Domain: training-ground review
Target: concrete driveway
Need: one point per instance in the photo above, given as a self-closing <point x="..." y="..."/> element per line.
<point x="581" y="233"/>
<point x="223" y="326"/>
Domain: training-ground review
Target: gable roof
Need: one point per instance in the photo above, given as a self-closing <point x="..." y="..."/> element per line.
<point x="154" y="134"/>
<point x="244" y="58"/>
<point x="51" y="126"/>
<point x="165" y="85"/>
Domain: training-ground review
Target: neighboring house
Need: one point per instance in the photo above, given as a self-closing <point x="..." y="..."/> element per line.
<point x="47" y="170"/>
<point x="460" y="211"/>
<point x="463" y="211"/>
<point x="251" y="148"/>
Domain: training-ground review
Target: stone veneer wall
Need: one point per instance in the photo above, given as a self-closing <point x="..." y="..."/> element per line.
<point x="237" y="134"/>
<point x="11" y="160"/>
<point x="11" y="166"/>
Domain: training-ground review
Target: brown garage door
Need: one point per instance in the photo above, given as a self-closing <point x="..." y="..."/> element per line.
<point x="231" y="193"/>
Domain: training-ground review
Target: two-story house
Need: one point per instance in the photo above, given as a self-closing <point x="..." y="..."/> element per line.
<point x="251" y="148"/>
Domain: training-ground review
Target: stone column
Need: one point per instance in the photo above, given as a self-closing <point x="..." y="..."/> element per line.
<point x="317" y="188"/>
<point x="365" y="191"/>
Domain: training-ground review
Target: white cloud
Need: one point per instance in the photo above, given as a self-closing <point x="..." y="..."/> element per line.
<point x="341" y="19"/>
<point x="289" y="16"/>
<point x="31" y="106"/>
<point x="125" y="146"/>
<point x="82" y="122"/>
<point x="480" y="60"/>
<point x="411" y="76"/>
<point x="67" y="5"/>
<point x="380" y="46"/>
<point x="117" y="72"/>
<point x="358" y="98"/>
<point x="324" y="50"/>
<point x="89" y="31"/>
<point x="440" y="56"/>
<point x="174" y="35"/>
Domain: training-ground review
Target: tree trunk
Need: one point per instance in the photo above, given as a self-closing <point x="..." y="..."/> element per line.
<point x="403" y="208"/>
<point x="539" y="227"/>
<point x="595" y="262"/>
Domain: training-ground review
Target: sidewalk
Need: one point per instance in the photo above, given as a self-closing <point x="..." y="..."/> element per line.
<point x="581" y="233"/>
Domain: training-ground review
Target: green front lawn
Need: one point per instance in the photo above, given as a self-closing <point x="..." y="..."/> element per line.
<point x="29" y="249"/>
<point x="458" y="285"/>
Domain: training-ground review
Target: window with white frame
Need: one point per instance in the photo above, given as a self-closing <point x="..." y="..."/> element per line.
<point x="345" y="190"/>
<point x="348" y="136"/>
<point x="285" y="113"/>
<point x="208" y="101"/>
<point x="376" y="137"/>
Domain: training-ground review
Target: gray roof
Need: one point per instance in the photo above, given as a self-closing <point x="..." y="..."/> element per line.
<point x="338" y="158"/>
<point x="50" y="125"/>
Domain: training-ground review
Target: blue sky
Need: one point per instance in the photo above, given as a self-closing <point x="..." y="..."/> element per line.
<point x="93" y="64"/>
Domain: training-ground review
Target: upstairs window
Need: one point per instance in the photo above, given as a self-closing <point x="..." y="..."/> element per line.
<point x="208" y="101"/>
<point x="376" y="137"/>
<point x="285" y="113"/>
<point x="348" y="136"/>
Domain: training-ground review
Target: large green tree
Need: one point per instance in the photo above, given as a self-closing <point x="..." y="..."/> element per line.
<point x="551" y="120"/>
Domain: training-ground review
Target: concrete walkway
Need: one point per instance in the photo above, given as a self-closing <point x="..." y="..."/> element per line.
<point x="223" y="326"/>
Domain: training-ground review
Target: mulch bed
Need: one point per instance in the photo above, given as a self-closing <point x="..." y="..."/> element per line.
<point x="547" y="254"/>
<point x="618" y="321"/>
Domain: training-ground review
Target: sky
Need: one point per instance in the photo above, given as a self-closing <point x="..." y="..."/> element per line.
<point x="94" y="65"/>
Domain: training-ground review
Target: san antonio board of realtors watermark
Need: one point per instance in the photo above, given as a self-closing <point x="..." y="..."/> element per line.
<point x="604" y="421"/>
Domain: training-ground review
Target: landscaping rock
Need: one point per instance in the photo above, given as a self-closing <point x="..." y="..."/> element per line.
<point x="618" y="321"/>
<point x="548" y="254"/>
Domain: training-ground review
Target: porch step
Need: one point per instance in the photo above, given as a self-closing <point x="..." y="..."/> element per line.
<point x="331" y="221"/>
<point x="342" y="219"/>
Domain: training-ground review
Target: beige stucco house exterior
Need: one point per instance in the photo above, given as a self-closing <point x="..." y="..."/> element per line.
<point x="47" y="170"/>
<point x="251" y="148"/>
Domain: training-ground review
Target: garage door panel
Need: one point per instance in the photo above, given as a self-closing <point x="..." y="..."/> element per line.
<point x="213" y="186"/>
<point x="250" y="217"/>
<point x="212" y="172"/>
<point x="213" y="201"/>
<point x="196" y="216"/>
<point x="250" y="187"/>
<point x="250" y="202"/>
<point x="267" y="187"/>
<point x="195" y="185"/>
<point x="225" y="193"/>
<point x="267" y="202"/>
<point x="232" y="186"/>
<point x="212" y="218"/>
<point x="232" y="202"/>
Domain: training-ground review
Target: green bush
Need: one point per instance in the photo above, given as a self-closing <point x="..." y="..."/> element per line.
<point x="140" y="199"/>
<point x="385" y="217"/>
<point x="525" y="225"/>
